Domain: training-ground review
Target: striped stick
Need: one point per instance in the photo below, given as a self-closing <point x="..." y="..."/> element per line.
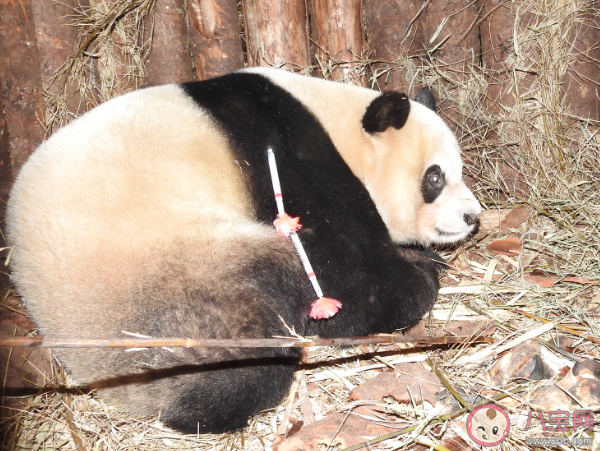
<point x="323" y="307"/>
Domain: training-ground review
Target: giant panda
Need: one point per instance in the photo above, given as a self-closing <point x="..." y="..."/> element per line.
<point x="152" y="214"/>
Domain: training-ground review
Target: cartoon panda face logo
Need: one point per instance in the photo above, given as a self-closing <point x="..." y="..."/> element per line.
<point x="488" y="425"/>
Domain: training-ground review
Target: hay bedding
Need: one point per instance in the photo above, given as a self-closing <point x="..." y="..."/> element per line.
<point x="556" y="156"/>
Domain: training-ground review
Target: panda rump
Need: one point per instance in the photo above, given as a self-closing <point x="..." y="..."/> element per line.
<point x="152" y="213"/>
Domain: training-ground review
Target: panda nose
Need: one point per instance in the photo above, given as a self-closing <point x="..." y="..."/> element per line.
<point x="471" y="219"/>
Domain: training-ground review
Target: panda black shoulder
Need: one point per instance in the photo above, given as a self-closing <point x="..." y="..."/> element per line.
<point x="345" y="236"/>
<point x="256" y="114"/>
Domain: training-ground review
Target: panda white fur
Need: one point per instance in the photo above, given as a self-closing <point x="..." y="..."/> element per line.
<point x="152" y="214"/>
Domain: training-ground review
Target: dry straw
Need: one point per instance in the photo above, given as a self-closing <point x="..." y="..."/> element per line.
<point x="114" y="41"/>
<point x="554" y="154"/>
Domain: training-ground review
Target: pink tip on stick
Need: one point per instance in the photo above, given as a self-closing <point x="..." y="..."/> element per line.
<point x="323" y="307"/>
<point x="286" y="225"/>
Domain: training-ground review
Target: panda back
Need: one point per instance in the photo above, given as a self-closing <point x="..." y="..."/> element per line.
<point x="135" y="174"/>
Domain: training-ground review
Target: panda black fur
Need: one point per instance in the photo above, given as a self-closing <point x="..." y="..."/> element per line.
<point x="152" y="214"/>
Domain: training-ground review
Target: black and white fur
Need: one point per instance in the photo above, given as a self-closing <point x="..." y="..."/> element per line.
<point x="152" y="214"/>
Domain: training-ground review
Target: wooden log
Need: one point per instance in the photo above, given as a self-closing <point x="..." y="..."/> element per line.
<point x="20" y="81"/>
<point x="215" y="40"/>
<point x="56" y="40"/>
<point x="112" y="66"/>
<point x="395" y="34"/>
<point x="582" y="80"/>
<point x="5" y="184"/>
<point x="5" y="169"/>
<point x="114" y="38"/>
<point x="340" y="43"/>
<point x="498" y="21"/>
<point x="170" y="59"/>
<point x="497" y="30"/>
<point x="452" y="33"/>
<point x="277" y="33"/>
<point x="452" y="29"/>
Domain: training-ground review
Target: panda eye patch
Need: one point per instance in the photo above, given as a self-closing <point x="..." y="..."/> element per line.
<point x="433" y="183"/>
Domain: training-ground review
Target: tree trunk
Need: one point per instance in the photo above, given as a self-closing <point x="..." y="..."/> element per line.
<point x="215" y="37"/>
<point x="339" y="38"/>
<point x="395" y="32"/>
<point x="20" y="81"/>
<point x="277" y="33"/>
<point x="170" y="58"/>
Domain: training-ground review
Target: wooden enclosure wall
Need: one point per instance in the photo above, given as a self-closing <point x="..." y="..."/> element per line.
<point x="59" y="58"/>
<point x="375" y="43"/>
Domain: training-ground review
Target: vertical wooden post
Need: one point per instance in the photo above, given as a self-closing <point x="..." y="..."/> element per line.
<point x="5" y="184"/>
<point x="277" y="33"/>
<point x="455" y="23"/>
<point x="215" y="37"/>
<point x="20" y="81"/>
<point x="500" y="17"/>
<point x="395" y="32"/>
<point x="582" y="80"/>
<point x="5" y="170"/>
<point x="452" y="33"/>
<point x="338" y="33"/>
<point x="497" y="30"/>
<point x="170" y="58"/>
<point x="56" y="41"/>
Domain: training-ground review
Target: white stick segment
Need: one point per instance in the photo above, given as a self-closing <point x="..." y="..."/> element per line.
<point x="275" y="181"/>
<point x="306" y="263"/>
<point x="294" y="236"/>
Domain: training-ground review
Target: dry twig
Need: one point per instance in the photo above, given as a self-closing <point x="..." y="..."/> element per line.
<point x="141" y="343"/>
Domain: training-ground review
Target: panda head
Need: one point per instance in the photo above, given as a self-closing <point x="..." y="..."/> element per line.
<point x="414" y="172"/>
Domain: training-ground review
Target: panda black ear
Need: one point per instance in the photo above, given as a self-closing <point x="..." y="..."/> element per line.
<point x="425" y="97"/>
<point x="388" y="110"/>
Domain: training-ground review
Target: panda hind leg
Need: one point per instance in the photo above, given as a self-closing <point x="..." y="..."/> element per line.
<point x="227" y="397"/>
<point x="215" y="390"/>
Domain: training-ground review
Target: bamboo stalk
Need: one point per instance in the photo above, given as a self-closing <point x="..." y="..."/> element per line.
<point x="230" y="342"/>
